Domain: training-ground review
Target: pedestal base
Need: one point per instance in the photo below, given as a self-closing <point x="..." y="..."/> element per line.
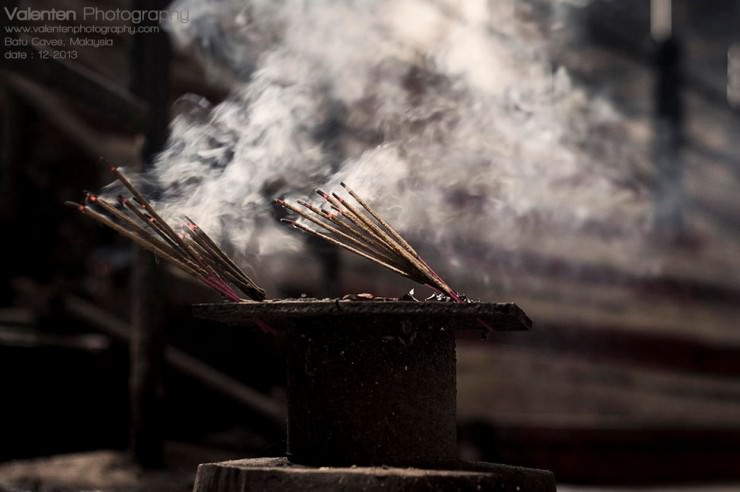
<point x="279" y="474"/>
<point x="376" y="390"/>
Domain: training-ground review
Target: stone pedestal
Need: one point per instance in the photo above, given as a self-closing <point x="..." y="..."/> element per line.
<point x="279" y="474"/>
<point x="371" y="399"/>
<point x="379" y="391"/>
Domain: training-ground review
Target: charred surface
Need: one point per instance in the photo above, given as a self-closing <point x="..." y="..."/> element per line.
<point x="288" y="313"/>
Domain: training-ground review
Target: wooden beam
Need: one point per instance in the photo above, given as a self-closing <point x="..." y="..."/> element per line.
<point x="55" y="109"/>
<point x="149" y="62"/>
<point x="80" y="84"/>
<point x="184" y="363"/>
<point x="11" y="129"/>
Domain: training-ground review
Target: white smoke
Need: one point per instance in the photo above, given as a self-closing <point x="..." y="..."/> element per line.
<point x="446" y="115"/>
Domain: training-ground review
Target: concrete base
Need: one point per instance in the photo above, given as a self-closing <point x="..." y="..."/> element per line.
<point x="279" y="474"/>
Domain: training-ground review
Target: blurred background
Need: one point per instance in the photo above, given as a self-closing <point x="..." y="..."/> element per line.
<point x="577" y="157"/>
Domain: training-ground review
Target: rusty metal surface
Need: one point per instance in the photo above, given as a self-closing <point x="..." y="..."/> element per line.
<point x="502" y="316"/>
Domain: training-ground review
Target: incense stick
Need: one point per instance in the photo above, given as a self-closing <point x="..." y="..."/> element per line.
<point x="209" y="244"/>
<point x="345" y="246"/>
<point x="149" y="246"/>
<point x="364" y="232"/>
<point x="399" y="249"/>
<point x="195" y="253"/>
<point x="402" y="242"/>
<point x="160" y="222"/>
<point x="369" y="248"/>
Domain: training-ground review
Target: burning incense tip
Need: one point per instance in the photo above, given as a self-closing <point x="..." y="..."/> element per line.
<point x="104" y="161"/>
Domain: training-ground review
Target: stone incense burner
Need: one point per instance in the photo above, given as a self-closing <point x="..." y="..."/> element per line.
<point x="371" y="398"/>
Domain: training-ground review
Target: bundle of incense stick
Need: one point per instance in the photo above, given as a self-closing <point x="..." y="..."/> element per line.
<point x="193" y="251"/>
<point x="362" y="231"/>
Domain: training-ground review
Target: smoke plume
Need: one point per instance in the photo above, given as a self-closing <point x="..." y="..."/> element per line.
<point x="447" y="116"/>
